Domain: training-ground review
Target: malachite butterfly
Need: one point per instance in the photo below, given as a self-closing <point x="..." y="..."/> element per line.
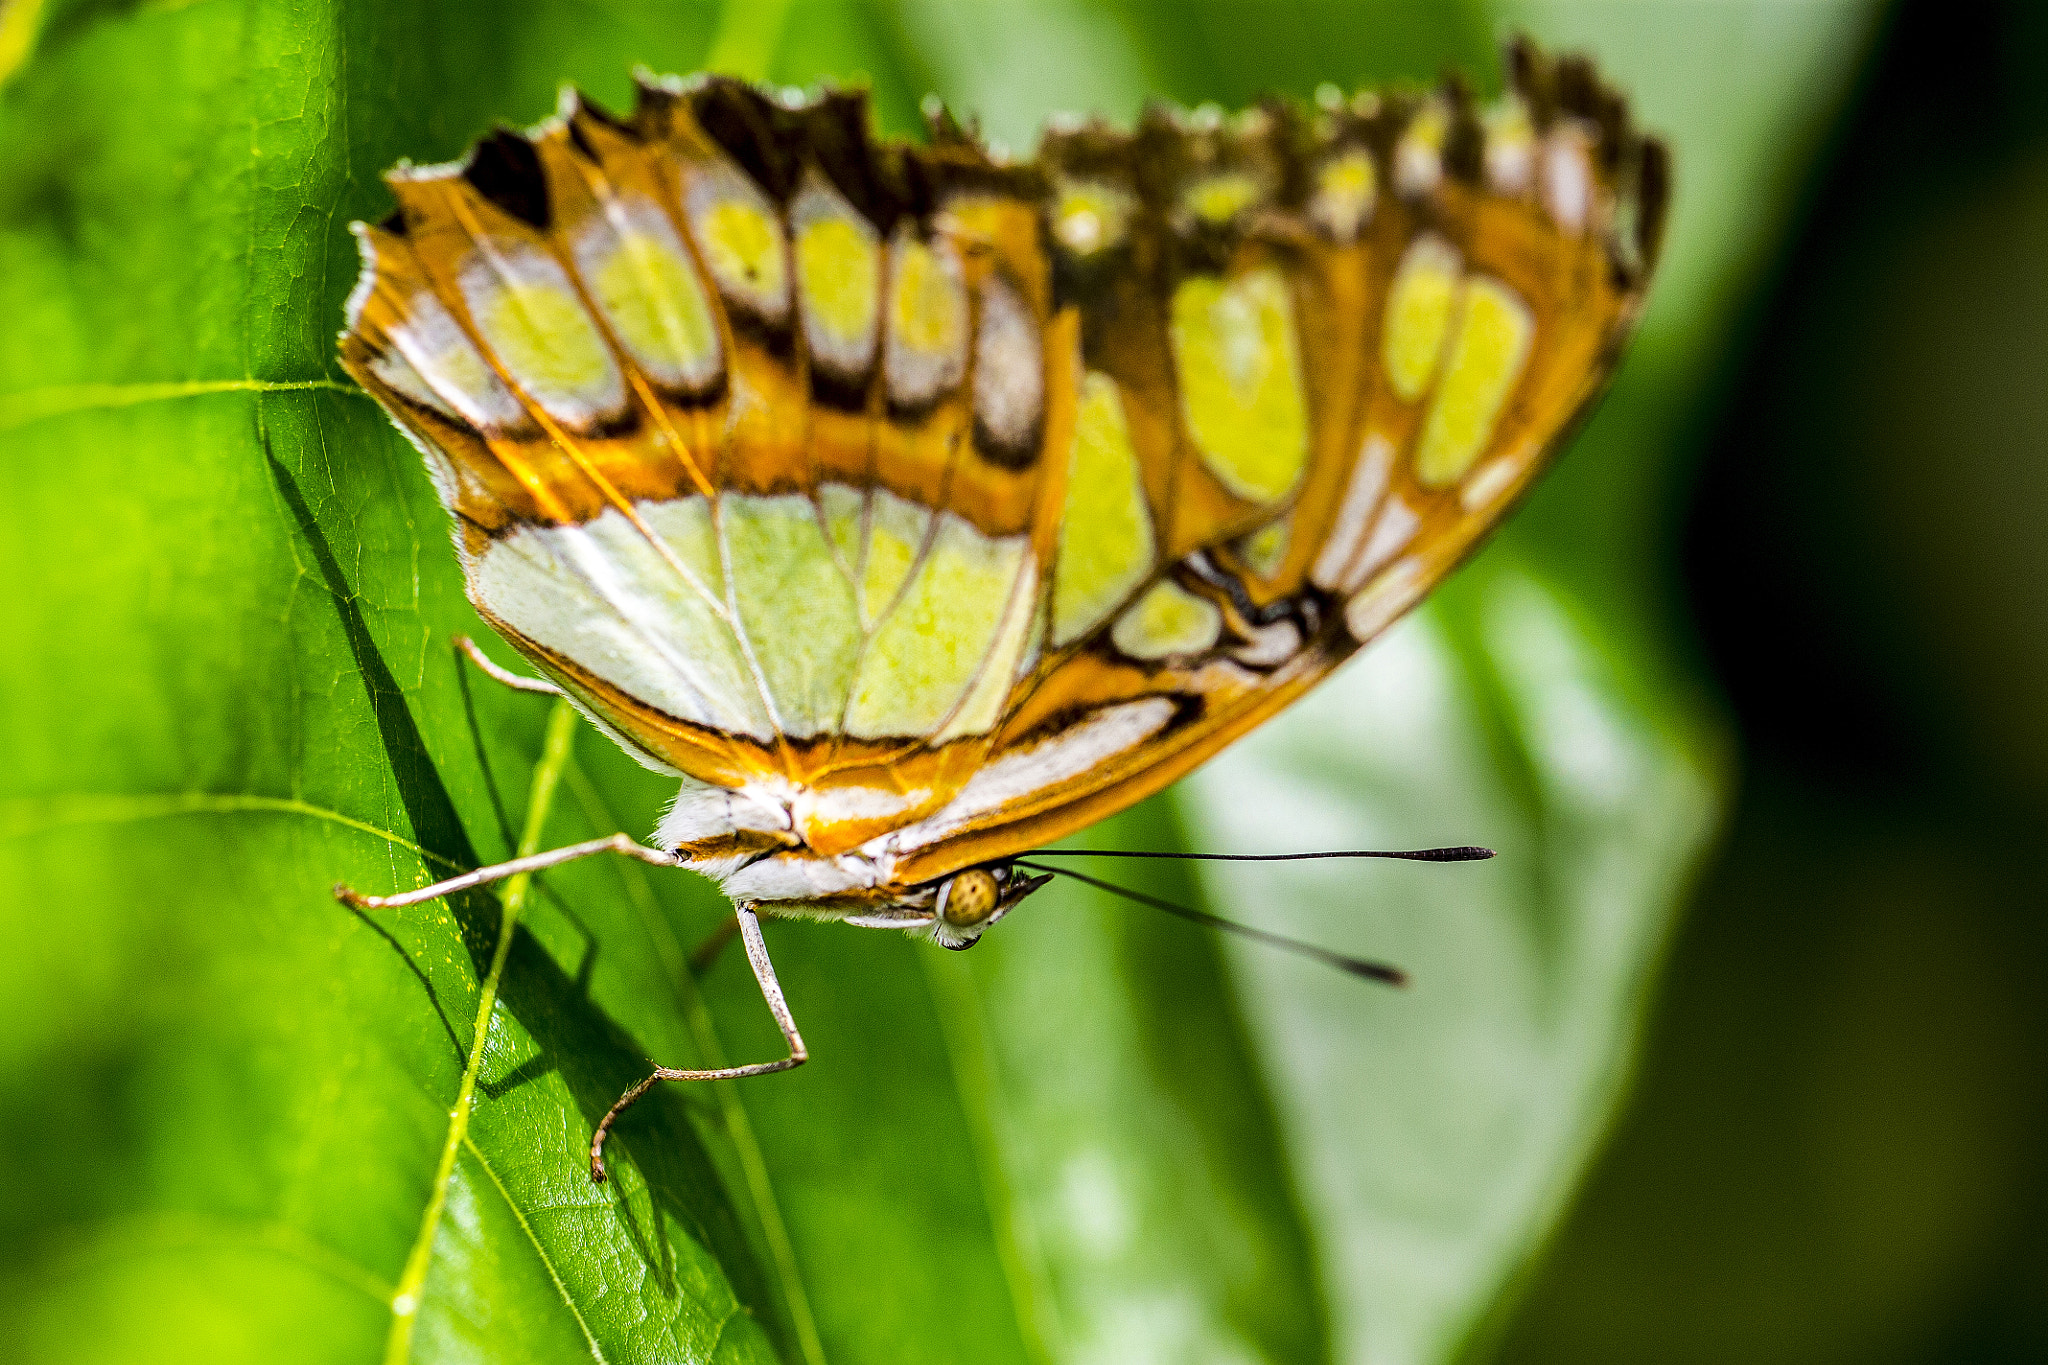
<point x="914" y="507"/>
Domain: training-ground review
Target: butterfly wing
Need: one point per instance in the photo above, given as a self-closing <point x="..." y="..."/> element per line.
<point x="1324" y="355"/>
<point x="740" y="415"/>
<point x="906" y="500"/>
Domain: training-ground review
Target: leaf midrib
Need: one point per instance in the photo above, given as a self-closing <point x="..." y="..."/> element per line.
<point x="407" y="1299"/>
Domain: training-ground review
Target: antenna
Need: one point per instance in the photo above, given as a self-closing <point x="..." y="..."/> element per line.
<point x="1357" y="966"/>
<point x="1462" y="853"/>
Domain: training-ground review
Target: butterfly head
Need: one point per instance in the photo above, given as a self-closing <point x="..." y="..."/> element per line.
<point x="968" y="902"/>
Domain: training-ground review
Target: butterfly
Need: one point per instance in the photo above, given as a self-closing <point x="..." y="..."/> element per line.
<point x="915" y="506"/>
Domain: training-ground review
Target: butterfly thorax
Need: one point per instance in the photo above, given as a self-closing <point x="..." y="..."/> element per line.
<point x="862" y="886"/>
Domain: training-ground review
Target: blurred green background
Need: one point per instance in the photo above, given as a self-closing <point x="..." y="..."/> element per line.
<point x="1736" y="1052"/>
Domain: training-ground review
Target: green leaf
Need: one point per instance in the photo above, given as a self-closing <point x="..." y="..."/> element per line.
<point x="243" y="1122"/>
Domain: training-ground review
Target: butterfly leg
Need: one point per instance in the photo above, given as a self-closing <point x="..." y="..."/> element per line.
<point x="554" y="857"/>
<point x="771" y="991"/>
<point x="505" y="675"/>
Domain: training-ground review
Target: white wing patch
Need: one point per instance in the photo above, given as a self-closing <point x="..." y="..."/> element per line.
<point x="926" y="652"/>
<point x="752" y="624"/>
<point x="602" y="596"/>
<point x="795" y="604"/>
<point x="1354" y="515"/>
<point x="1016" y="775"/>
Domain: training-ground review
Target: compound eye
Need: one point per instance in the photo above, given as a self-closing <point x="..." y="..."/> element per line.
<point x="969" y="898"/>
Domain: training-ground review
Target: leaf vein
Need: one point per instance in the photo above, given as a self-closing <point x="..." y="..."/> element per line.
<point x="36" y="405"/>
<point x="547" y="1262"/>
<point x="24" y="816"/>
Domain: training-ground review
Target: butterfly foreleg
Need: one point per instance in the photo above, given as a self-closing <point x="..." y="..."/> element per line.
<point x="504" y="675"/>
<point x="771" y="991"/>
<point x="554" y="857"/>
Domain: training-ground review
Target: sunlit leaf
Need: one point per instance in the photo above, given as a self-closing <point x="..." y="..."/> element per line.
<point x="228" y="1104"/>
